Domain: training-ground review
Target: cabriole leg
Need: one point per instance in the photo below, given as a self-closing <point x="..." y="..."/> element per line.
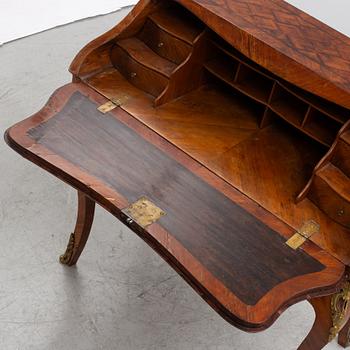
<point x="344" y="335"/>
<point x="78" y="239"/>
<point x="331" y="315"/>
<point x="318" y="337"/>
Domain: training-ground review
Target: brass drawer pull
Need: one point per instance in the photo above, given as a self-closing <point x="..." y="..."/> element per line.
<point x="133" y="75"/>
<point x="160" y="45"/>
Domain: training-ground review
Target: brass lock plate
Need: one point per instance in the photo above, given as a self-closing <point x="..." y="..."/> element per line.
<point x="144" y="212"/>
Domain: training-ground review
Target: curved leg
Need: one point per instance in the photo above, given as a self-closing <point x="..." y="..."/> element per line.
<point x="78" y="239"/>
<point x="344" y="335"/>
<point x="331" y="315"/>
<point x="318" y="337"/>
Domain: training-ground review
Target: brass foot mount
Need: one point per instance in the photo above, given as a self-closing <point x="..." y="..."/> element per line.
<point x="340" y="305"/>
<point x="66" y="257"/>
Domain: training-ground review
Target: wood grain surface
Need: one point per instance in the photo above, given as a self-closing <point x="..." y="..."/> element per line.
<point x="284" y="40"/>
<point x="231" y="144"/>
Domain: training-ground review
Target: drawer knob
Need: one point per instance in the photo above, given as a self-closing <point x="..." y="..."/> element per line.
<point x="133" y="75"/>
<point x="341" y="212"/>
<point x="160" y="45"/>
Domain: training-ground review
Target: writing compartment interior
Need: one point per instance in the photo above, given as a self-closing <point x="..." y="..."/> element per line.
<point x="226" y="111"/>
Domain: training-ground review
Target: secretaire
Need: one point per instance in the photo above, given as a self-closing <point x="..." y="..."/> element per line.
<point x="219" y="132"/>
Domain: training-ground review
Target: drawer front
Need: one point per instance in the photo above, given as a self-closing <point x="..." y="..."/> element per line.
<point x="164" y="44"/>
<point x="137" y="74"/>
<point x="330" y="202"/>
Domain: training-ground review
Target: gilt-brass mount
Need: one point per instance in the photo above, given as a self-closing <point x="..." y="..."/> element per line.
<point x="66" y="257"/>
<point x="339" y="304"/>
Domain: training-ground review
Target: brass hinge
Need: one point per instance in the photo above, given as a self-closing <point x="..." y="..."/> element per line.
<point x="308" y="229"/>
<point x="144" y="212"/>
<point x="110" y="105"/>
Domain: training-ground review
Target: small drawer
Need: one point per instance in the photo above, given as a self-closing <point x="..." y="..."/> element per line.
<point x="137" y="74"/>
<point x="164" y="44"/>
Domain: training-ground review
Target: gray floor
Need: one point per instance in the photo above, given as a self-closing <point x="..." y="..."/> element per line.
<point x="121" y="295"/>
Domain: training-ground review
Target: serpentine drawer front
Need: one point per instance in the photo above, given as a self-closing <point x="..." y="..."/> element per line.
<point x="219" y="132"/>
